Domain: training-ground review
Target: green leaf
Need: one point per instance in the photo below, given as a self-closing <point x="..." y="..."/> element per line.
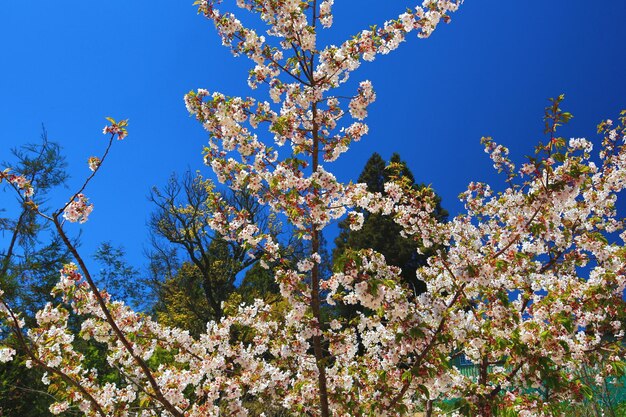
<point x="586" y="391"/>
<point x="619" y="367"/>
<point x="407" y="376"/>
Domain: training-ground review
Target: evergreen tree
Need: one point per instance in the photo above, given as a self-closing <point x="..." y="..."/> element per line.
<point x="29" y="269"/>
<point x="119" y="278"/>
<point x="380" y="232"/>
<point x="29" y="265"/>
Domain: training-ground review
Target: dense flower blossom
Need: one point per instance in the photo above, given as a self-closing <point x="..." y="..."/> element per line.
<point x="78" y="210"/>
<point x="527" y="286"/>
<point x="6" y="354"/>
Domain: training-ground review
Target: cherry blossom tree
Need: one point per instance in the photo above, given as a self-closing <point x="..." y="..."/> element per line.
<point x="528" y="284"/>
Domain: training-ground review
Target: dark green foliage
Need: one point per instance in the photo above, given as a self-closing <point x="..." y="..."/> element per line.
<point x="30" y="262"/>
<point x="29" y="268"/>
<point x="22" y="394"/>
<point x="380" y="232"/>
<point x="258" y="283"/>
<point x="120" y="279"/>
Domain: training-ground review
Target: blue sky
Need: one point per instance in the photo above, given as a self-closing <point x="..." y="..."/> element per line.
<point x="68" y="64"/>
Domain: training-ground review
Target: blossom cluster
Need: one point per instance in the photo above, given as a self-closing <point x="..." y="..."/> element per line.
<point x="78" y="210"/>
<point x="94" y="163"/>
<point x="525" y="284"/>
<point x="19" y="181"/>
<point x="116" y="128"/>
<point x="6" y="354"/>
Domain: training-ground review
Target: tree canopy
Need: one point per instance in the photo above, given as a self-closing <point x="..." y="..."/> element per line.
<point x="380" y="232"/>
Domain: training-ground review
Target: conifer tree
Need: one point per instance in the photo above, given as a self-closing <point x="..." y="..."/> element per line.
<point x="380" y="232"/>
<point x="29" y="263"/>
